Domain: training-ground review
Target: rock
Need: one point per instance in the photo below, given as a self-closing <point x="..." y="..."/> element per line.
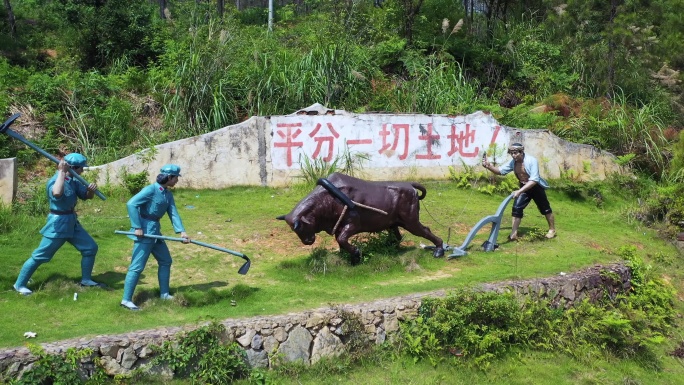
<point x="257" y="358"/>
<point x="246" y="339"/>
<point x="326" y="344"/>
<point x="109" y="350"/>
<point x="128" y="359"/>
<point x="297" y="346"/>
<point x="280" y="334"/>
<point x="111" y="367"/>
<point x="270" y="344"/>
<point x="257" y="341"/>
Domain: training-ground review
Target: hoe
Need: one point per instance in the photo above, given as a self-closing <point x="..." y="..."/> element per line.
<point x="4" y="129"/>
<point x="243" y="269"/>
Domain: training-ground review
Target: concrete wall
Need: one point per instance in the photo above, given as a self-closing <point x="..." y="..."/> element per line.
<point x="267" y="151"/>
<point x="308" y="336"/>
<point x="8" y="180"/>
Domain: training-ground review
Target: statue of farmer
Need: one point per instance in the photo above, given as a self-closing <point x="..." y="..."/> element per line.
<point x="532" y="187"/>
<point x="62" y="225"/>
<point x="145" y="210"/>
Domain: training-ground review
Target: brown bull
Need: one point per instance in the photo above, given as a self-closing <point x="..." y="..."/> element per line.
<point x="379" y="206"/>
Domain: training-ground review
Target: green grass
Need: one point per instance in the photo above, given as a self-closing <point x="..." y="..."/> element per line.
<point x="518" y="368"/>
<point x="285" y="277"/>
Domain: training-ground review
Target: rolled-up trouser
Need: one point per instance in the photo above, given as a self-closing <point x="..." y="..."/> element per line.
<point x="141" y="253"/>
<point x="81" y="240"/>
<point x="538" y="195"/>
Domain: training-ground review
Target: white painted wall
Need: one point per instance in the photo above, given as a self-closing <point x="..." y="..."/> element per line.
<point x="266" y="151"/>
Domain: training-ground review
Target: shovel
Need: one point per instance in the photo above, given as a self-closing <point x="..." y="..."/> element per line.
<point x="243" y="269"/>
<point x="6" y="130"/>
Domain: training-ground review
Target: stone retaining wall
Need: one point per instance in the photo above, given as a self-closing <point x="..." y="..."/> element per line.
<point x="308" y="336"/>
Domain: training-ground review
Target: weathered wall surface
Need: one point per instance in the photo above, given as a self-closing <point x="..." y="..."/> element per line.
<point x="8" y="180"/>
<point x="309" y="336"/>
<point x="267" y="151"/>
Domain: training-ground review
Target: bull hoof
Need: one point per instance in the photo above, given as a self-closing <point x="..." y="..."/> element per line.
<point x="356" y="258"/>
<point x="438" y="253"/>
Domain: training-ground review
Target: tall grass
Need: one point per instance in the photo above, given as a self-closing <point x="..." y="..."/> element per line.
<point x="347" y="163"/>
<point x="622" y="129"/>
<point x="331" y="74"/>
<point x="192" y="79"/>
<point x="432" y="87"/>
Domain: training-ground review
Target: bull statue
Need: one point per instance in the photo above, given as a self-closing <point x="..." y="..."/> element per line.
<point x="344" y="206"/>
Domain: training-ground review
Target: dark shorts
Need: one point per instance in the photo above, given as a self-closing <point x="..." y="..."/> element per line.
<point x="536" y="194"/>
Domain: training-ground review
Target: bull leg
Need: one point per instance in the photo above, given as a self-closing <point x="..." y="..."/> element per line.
<point x="418" y="229"/>
<point x="394" y="231"/>
<point x="343" y="241"/>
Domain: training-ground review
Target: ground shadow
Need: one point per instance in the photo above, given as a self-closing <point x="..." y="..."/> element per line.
<point x="199" y="295"/>
<point x="113" y="279"/>
<point x="58" y="284"/>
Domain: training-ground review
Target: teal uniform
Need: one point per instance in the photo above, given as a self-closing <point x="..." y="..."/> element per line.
<point x="145" y="210"/>
<point x="62" y="226"/>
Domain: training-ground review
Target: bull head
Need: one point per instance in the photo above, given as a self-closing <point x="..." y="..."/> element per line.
<point x="300" y="225"/>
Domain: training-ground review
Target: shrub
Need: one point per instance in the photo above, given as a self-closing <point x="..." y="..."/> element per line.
<point x="59" y="368"/>
<point x="135" y="182"/>
<point x="476" y="327"/>
<point x="201" y="356"/>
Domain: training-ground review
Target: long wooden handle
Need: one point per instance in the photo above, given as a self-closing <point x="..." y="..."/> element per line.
<point x="5" y="129"/>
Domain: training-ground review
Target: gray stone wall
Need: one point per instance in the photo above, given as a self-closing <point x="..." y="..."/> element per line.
<point x="8" y="180"/>
<point x="311" y="335"/>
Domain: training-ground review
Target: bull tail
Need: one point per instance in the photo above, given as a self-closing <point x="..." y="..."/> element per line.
<point x="420" y="188"/>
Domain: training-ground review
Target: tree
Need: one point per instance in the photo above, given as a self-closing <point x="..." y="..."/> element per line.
<point x="410" y="10"/>
<point x="10" y="18"/>
<point x="162" y="8"/>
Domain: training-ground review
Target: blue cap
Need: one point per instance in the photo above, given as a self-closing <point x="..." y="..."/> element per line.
<point x="76" y="160"/>
<point x="171" y="169"/>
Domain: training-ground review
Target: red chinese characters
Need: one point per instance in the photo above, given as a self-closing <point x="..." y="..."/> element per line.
<point x="460" y="140"/>
<point x="395" y="129"/>
<point x="328" y="139"/>
<point x="393" y="140"/>
<point x="288" y="135"/>
<point x="430" y="138"/>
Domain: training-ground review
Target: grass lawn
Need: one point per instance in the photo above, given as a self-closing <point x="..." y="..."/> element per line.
<point x="517" y="368"/>
<point x="287" y="276"/>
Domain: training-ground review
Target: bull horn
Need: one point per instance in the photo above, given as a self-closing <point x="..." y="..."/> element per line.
<point x="282" y="217"/>
<point x="297" y="224"/>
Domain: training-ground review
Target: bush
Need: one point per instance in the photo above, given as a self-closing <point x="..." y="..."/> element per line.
<point x="136" y="182"/>
<point x="476" y="327"/>
<point x="201" y="356"/>
<point x="59" y="368"/>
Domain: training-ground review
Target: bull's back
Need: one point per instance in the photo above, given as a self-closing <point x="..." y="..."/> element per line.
<point x="385" y="195"/>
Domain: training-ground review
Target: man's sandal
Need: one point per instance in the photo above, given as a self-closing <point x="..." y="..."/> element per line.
<point x="551" y="234"/>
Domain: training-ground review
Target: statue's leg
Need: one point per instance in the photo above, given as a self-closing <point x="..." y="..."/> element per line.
<point x="394" y="231"/>
<point x="417" y="228"/>
<point x="343" y="240"/>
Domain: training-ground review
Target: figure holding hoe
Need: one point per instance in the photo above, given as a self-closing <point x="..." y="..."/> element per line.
<point x="63" y="191"/>
<point x="62" y="225"/>
<point x="145" y="210"/>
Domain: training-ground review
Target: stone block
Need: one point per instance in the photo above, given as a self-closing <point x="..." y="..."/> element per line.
<point x="8" y="180"/>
